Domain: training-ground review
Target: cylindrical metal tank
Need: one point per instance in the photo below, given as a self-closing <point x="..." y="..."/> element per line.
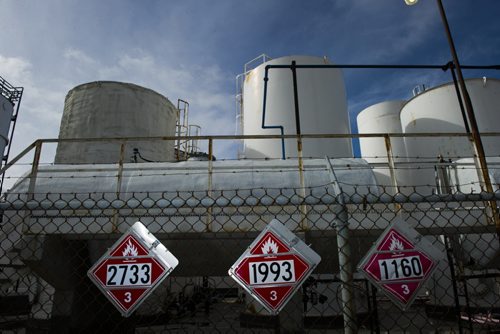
<point x="106" y="109"/>
<point x="437" y="111"/>
<point x="382" y="118"/>
<point x="6" y="112"/>
<point x="322" y="106"/>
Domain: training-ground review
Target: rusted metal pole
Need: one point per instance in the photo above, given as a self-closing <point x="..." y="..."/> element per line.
<point x="209" y="190"/>
<point x="476" y="138"/>
<point x="119" y="180"/>
<point x="392" y="168"/>
<point x="32" y="184"/>
<point x="119" y="175"/>
<point x="34" y="168"/>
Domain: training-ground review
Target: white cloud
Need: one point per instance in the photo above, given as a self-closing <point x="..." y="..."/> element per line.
<point x="16" y="70"/>
<point x="78" y="55"/>
<point x="39" y="101"/>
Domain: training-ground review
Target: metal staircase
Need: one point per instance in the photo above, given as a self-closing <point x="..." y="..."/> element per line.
<point x="14" y="95"/>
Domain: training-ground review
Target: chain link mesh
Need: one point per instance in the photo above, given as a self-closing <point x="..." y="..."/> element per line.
<point x="49" y="241"/>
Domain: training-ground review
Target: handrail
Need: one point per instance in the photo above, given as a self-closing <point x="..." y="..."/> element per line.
<point x="238" y="137"/>
<point x="19" y="156"/>
<point x="272" y="136"/>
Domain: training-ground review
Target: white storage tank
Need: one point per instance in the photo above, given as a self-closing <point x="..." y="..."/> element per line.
<point x="322" y="105"/>
<point x="437" y="111"/>
<point x="106" y="109"/>
<point x="6" y="112"/>
<point x="382" y="118"/>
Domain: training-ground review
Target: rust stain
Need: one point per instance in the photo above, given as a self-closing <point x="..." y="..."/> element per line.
<point x="249" y="75"/>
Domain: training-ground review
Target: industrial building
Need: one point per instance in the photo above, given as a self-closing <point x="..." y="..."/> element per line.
<point x="126" y="153"/>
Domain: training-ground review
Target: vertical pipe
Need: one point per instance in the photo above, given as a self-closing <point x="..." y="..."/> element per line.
<point x="296" y="104"/>
<point x="303" y="207"/>
<point x="264" y="126"/>
<point x="344" y="253"/>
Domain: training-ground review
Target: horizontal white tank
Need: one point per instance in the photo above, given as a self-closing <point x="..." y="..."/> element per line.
<point x="437" y="111"/>
<point x="6" y="112"/>
<point x="382" y="118"/>
<point x="107" y="109"/>
<point x="245" y="183"/>
<point x="322" y="105"/>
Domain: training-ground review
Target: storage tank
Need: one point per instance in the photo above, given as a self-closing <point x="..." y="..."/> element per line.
<point x="437" y="110"/>
<point x="6" y="112"/>
<point x="322" y="105"/>
<point x="106" y="109"/>
<point x="382" y="118"/>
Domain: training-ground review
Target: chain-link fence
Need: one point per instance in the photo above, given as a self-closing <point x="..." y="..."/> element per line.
<point x="49" y="241"/>
<point x="57" y="221"/>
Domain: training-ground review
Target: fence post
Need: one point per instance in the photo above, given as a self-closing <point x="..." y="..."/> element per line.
<point x="34" y="169"/>
<point x="32" y="184"/>
<point x="209" y="191"/>
<point x="344" y="253"/>
<point x="392" y="169"/>
<point x="118" y="186"/>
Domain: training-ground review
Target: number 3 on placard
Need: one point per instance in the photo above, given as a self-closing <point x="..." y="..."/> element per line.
<point x="406" y="290"/>
<point x="128" y="297"/>
<point x="274" y="295"/>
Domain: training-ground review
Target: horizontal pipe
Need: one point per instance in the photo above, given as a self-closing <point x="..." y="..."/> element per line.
<point x="275" y="136"/>
<point x="237" y="201"/>
<point x="429" y="67"/>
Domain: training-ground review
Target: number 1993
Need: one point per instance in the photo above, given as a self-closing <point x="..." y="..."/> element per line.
<point x="268" y="272"/>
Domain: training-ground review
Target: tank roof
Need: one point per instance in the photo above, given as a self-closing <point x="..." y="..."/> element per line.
<point x="109" y="83"/>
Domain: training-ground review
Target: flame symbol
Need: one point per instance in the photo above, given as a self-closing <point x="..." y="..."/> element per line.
<point x="396" y="244"/>
<point x="269" y="247"/>
<point x="130" y="250"/>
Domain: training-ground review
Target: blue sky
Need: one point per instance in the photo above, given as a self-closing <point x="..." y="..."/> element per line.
<point x="193" y="49"/>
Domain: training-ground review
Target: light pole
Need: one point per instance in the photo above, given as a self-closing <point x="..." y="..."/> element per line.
<point x="476" y="138"/>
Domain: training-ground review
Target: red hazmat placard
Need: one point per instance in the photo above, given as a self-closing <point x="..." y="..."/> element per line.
<point x="274" y="266"/>
<point x="132" y="268"/>
<point x="400" y="262"/>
